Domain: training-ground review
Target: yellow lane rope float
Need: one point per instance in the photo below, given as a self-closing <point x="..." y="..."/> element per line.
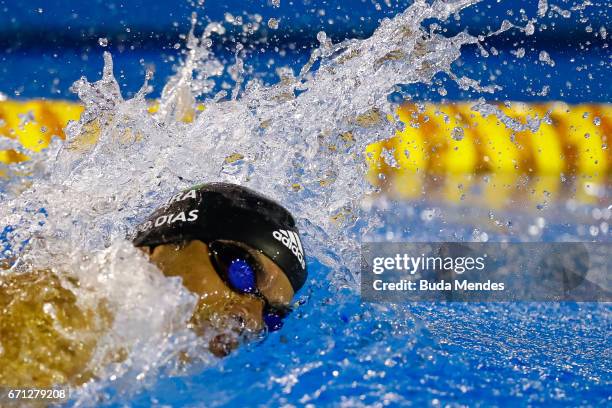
<point x="450" y="141"/>
<point x="454" y="139"/>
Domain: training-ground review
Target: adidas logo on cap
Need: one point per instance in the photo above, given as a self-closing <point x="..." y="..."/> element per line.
<point x="292" y="241"/>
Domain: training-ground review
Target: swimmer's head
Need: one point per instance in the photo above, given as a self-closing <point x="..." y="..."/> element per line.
<point x="238" y="250"/>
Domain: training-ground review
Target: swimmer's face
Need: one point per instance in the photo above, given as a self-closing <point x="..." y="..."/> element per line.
<point x="219" y="306"/>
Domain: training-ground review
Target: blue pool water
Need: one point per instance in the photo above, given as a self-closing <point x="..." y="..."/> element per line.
<point x="422" y="354"/>
<point x="337" y="351"/>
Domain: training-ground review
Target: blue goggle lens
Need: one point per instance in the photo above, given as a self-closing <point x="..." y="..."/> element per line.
<point x="241" y="276"/>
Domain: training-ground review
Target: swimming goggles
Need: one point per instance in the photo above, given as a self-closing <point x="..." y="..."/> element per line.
<point x="238" y="268"/>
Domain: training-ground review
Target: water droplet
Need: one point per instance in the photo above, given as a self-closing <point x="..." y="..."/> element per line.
<point x="596" y="213"/>
<point x="545" y="58"/>
<point x="542" y="8"/>
<point x="458" y="134"/>
<point x="520" y="53"/>
<point x="597" y="121"/>
<point x="273" y="23"/>
<point x="103" y="41"/>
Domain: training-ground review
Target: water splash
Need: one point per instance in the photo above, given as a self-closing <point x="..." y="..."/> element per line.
<point x="532" y="123"/>
<point x="300" y="141"/>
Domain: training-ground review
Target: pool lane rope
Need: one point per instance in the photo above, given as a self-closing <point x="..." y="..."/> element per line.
<point x="450" y="141"/>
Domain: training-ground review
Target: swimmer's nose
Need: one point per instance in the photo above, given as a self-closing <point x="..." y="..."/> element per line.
<point x="248" y="313"/>
<point x="241" y="318"/>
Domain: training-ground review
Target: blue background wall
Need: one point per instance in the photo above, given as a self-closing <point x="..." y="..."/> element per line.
<point x="46" y="45"/>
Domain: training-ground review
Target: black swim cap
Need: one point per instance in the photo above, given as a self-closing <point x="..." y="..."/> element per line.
<point x="215" y="211"/>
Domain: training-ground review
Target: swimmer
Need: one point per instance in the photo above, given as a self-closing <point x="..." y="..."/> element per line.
<point x="236" y="250"/>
